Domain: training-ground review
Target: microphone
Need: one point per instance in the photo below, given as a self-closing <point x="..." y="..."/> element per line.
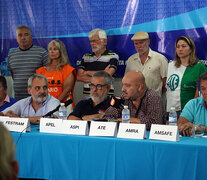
<point x="68" y="102"/>
<point x="117" y="102"/>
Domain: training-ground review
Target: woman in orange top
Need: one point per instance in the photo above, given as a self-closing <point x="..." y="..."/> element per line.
<point x="61" y="76"/>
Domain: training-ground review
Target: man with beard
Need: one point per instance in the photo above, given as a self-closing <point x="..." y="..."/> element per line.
<point x="95" y="106"/>
<point x="144" y="104"/>
<point x="101" y="58"/>
<point x="36" y="105"/>
<point x="195" y="111"/>
<point x="153" y="65"/>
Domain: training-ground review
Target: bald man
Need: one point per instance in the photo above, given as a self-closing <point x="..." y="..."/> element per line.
<point x="144" y="104"/>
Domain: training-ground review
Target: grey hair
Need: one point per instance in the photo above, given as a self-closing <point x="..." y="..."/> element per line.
<point x="7" y="153"/>
<point x="107" y="77"/>
<point x="23" y="27"/>
<point x="35" y="76"/>
<point x="101" y="33"/>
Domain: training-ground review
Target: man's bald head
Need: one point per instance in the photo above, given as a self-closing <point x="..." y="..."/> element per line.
<point x="133" y="85"/>
<point x="135" y="76"/>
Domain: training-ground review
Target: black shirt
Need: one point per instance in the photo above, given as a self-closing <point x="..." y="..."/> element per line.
<point x="85" y="107"/>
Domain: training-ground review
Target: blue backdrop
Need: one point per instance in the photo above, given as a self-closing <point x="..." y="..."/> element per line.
<point x="71" y="20"/>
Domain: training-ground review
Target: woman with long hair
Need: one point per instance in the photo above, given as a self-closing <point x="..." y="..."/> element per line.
<point x="61" y="76"/>
<point x="183" y="73"/>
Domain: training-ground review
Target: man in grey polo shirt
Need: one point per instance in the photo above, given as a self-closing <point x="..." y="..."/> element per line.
<point x="24" y="60"/>
<point x="35" y="106"/>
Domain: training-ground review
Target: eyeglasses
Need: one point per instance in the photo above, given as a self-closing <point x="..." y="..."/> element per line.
<point x="94" y="41"/>
<point x="97" y="86"/>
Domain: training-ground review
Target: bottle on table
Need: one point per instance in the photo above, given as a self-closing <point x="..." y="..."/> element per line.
<point x="125" y="115"/>
<point x="172" y="117"/>
<point x="62" y="113"/>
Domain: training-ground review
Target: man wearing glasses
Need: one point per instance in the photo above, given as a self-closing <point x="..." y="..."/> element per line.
<point x="101" y="58"/>
<point x="36" y="105"/>
<point x="95" y="106"/>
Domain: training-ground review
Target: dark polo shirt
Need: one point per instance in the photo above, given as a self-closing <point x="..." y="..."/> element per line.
<point x="85" y="107"/>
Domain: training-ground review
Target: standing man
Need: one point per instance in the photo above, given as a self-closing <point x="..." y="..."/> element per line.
<point x="144" y="104"/>
<point x="101" y="58"/>
<point x="153" y="65"/>
<point x="37" y="104"/>
<point x="95" y="106"/>
<point x="24" y="60"/>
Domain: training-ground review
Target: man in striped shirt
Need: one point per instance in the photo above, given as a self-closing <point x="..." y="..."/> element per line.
<point x="101" y="58"/>
<point x="24" y="60"/>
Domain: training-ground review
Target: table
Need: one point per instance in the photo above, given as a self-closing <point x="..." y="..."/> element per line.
<point x="73" y="157"/>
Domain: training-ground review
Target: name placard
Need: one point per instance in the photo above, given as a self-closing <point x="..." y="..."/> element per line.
<point x="103" y="128"/>
<point x="164" y="132"/>
<point x="3" y="119"/>
<point x="17" y="124"/>
<point x="132" y="131"/>
<point x="50" y="125"/>
<point x="75" y="127"/>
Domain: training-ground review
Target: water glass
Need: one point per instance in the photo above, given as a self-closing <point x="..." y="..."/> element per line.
<point x="197" y="130"/>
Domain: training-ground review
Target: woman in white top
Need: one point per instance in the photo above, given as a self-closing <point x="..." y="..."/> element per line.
<point x="183" y="73"/>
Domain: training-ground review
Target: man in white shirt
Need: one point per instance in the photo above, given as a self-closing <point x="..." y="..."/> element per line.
<point x="153" y="65"/>
<point x="36" y="105"/>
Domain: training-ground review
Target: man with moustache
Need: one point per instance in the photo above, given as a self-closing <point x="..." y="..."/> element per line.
<point x="95" y="106"/>
<point x="101" y="58"/>
<point x="24" y="60"/>
<point x="195" y="111"/>
<point x="144" y="104"/>
<point x="153" y="65"/>
<point x="36" y="105"/>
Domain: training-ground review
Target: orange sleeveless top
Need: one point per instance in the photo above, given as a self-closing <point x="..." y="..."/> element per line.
<point x="56" y="80"/>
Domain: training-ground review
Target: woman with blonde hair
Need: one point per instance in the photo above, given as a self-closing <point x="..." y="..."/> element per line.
<point x="183" y="73"/>
<point x="61" y="76"/>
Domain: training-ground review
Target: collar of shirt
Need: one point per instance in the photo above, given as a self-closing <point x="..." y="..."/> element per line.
<point x="148" y="57"/>
<point x="144" y="93"/>
<point x="104" y="53"/>
<point x="25" y="49"/>
<point x="203" y="103"/>
<point x="7" y="99"/>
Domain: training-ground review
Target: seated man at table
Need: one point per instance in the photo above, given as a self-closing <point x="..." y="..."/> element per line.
<point x="95" y="106"/>
<point x="144" y="104"/>
<point x="8" y="165"/>
<point x="36" y="105"/>
<point x="195" y="111"/>
<point x="5" y="100"/>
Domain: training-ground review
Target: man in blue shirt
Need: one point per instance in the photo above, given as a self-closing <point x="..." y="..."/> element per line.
<point x="36" y="105"/>
<point x="5" y="100"/>
<point x="195" y="111"/>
